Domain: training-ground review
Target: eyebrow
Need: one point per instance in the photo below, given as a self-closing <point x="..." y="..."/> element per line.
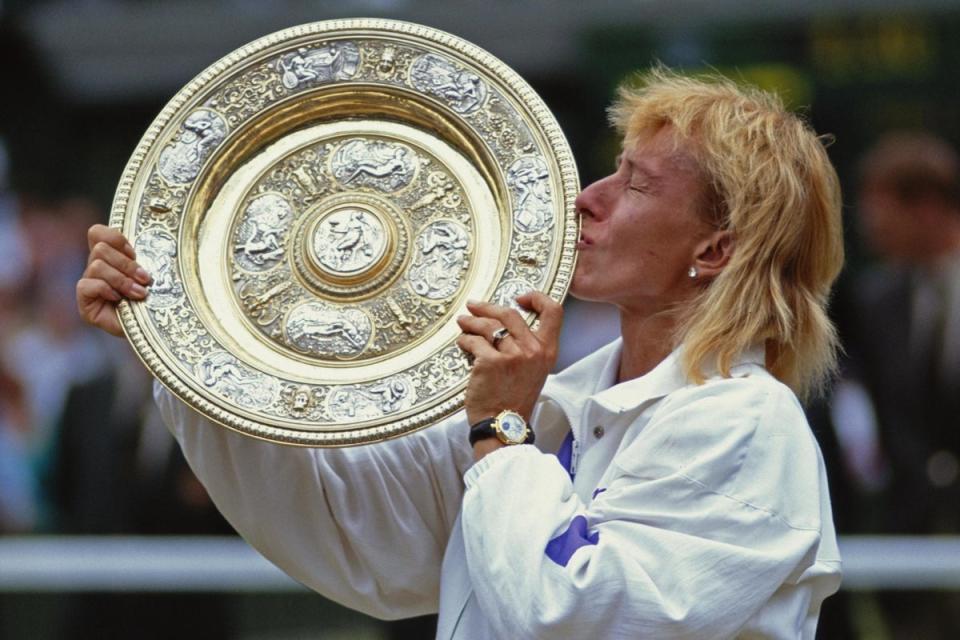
<point x="644" y="170"/>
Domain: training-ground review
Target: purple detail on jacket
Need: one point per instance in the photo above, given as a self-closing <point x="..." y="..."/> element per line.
<point x="565" y="454"/>
<point x="561" y="548"/>
<point x="597" y="492"/>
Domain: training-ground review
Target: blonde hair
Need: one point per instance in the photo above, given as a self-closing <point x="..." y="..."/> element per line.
<point x="771" y="184"/>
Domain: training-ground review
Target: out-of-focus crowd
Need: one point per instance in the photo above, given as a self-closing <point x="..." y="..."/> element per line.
<point x="82" y="449"/>
<point x="889" y="426"/>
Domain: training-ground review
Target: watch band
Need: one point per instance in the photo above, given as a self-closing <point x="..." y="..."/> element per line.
<point x="482" y="430"/>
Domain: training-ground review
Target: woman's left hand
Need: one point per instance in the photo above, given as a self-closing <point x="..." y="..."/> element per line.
<point x="511" y="374"/>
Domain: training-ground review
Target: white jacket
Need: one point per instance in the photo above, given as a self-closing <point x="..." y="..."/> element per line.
<point x="672" y="511"/>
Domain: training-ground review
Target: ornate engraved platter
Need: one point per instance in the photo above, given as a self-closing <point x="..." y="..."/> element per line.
<point x="317" y="207"/>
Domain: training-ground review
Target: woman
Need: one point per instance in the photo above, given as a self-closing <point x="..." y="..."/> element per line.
<point x="687" y="496"/>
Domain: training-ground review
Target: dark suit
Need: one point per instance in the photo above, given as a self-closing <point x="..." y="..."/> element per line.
<point x="917" y="415"/>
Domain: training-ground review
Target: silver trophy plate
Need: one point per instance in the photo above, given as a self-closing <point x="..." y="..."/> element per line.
<point x="317" y="207"/>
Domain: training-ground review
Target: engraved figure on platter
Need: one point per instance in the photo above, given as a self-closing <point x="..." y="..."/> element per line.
<point x="463" y="90"/>
<point x="349" y="240"/>
<point x="351" y="237"/>
<point x="377" y="169"/>
<point x="439" y="263"/>
<point x="224" y="374"/>
<point x="349" y="403"/>
<point x="299" y="399"/>
<point x="335" y="61"/>
<point x="358" y="403"/>
<point x="320" y="329"/>
<point x="382" y="165"/>
<point x="392" y="394"/>
<point x="529" y="180"/>
<point x="157" y="251"/>
<point x="200" y="134"/>
<point x="387" y="62"/>
<point x="259" y="237"/>
<point x="510" y="290"/>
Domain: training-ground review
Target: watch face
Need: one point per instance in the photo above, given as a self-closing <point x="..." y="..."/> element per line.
<point x="513" y="426"/>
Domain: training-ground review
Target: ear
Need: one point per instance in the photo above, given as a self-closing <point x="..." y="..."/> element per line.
<point x="713" y="253"/>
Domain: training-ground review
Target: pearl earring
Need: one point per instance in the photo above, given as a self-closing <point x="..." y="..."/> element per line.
<point x="692" y="272"/>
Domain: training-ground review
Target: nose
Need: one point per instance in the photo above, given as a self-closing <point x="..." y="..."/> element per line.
<point x="592" y="201"/>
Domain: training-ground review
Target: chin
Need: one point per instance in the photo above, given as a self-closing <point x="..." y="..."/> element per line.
<point x="576" y="289"/>
<point x="581" y="291"/>
<point x="588" y="283"/>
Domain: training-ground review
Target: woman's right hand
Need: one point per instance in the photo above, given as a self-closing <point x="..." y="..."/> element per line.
<point x="112" y="274"/>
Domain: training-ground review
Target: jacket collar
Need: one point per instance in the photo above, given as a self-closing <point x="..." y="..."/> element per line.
<point x="595" y="376"/>
<point x="570" y="388"/>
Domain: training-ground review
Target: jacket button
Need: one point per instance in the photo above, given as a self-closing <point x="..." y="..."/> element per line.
<point x="598" y="431"/>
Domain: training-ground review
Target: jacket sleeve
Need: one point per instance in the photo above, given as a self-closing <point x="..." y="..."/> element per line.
<point x="364" y="526"/>
<point x="697" y="530"/>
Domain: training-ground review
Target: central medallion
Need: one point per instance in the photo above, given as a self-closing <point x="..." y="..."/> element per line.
<point x="350" y="245"/>
<point x="347" y="243"/>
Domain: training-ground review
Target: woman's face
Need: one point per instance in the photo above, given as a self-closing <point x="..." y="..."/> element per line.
<point x="640" y="228"/>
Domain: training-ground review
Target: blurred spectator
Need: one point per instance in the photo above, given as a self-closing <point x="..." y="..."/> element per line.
<point x="45" y="346"/>
<point x="110" y="465"/>
<point x="82" y="450"/>
<point x="13" y="267"/>
<point x="18" y="508"/>
<point x="904" y="348"/>
<point x="119" y="471"/>
<point x="18" y="501"/>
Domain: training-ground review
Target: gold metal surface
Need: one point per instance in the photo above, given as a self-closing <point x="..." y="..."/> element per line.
<point x="317" y="207"/>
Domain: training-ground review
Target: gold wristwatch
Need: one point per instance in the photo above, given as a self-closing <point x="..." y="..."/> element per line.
<point x="508" y="426"/>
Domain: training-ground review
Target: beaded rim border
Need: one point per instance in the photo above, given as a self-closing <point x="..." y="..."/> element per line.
<point x="542" y="118"/>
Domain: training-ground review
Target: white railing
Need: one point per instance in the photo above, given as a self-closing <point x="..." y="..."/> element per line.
<point x="105" y="563"/>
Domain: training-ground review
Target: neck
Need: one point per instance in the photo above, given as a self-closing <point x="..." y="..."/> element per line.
<point x="647" y="340"/>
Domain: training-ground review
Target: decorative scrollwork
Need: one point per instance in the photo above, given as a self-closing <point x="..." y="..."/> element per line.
<point x="263" y="300"/>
